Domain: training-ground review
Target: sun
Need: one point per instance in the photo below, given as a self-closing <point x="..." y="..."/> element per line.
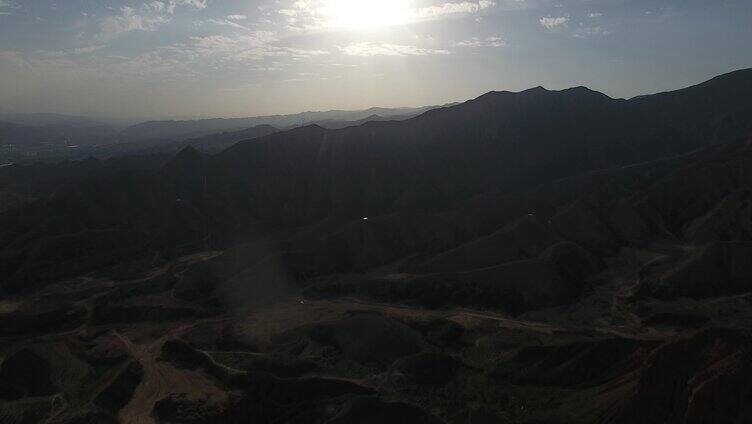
<point x="366" y="14"/>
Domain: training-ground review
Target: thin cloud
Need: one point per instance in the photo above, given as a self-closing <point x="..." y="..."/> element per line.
<point x="228" y="22"/>
<point x="148" y="17"/>
<point x="76" y="51"/>
<point x="591" y="32"/>
<point x="196" y="4"/>
<point x="445" y="9"/>
<point x="11" y="62"/>
<point x="5" y="4"/>
<point x="482" y="42"/>
<point x="549" y="22"/>
<point x="307" y="15"/>
<point x="254" y="46"/>
<point x="385" y="49"/>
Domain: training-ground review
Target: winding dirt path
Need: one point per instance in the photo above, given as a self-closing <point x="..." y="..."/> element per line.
<point x="162" y="379"/>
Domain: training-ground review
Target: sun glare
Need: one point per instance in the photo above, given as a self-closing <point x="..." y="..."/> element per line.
<point x="366" y="14"/>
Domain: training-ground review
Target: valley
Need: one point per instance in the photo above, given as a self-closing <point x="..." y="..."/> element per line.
<point x="532" y="257"/>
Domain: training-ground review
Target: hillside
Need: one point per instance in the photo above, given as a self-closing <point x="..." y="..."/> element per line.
<point x="532" y="257"/>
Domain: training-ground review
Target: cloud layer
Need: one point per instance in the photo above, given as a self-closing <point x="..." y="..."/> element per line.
<point x="553" y="22"/>
<point x="221" y="55"/>
<point x="386" y="49"/>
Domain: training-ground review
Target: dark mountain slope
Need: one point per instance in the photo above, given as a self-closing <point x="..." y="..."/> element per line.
<point x="500" y="141"/>
<point x="420" y="164"/>
<point x="221" y="141"/>
<point x="700" y="378"/>
<point x="602" y="211"/>
<point x="211" y="143"/>
<point x="716" y="110"/>
<point x="445" y="177"/>
<point x="20" y="184"/>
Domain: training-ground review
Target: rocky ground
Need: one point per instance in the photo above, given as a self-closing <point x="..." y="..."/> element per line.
<point x="170" y="346"/>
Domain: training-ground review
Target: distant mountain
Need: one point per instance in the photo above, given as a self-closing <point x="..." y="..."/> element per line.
<point x="203" y="127"/>
<point x="336" y="124"/>
<point x="213" y="143"/>
<point x="376" y="114"/>
<point x="46" y="119"/>
<point x="501" y="142"/>
<point x="217" y="142"/>
<point x="24" y="182"/>
<point x="52" y="137"/>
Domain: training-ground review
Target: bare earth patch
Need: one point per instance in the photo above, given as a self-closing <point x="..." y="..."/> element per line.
<point x="7" y="307"/>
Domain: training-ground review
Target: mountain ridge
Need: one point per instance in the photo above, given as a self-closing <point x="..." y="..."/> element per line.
<point x="202" y="127"/>
<point x="495" y="143"/>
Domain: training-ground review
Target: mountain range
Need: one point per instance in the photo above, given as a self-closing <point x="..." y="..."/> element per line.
<point x="203" y="127"/>
<point x="48" y="137"/>
<point x="522" y="257"/>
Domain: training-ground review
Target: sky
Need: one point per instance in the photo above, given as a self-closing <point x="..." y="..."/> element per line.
<point x="148" y="59"/>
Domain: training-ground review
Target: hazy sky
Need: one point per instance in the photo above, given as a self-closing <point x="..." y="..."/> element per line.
<point x="187" y="58"/>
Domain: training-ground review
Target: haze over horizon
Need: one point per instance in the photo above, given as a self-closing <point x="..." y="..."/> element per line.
<point x="148" y="59"/>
